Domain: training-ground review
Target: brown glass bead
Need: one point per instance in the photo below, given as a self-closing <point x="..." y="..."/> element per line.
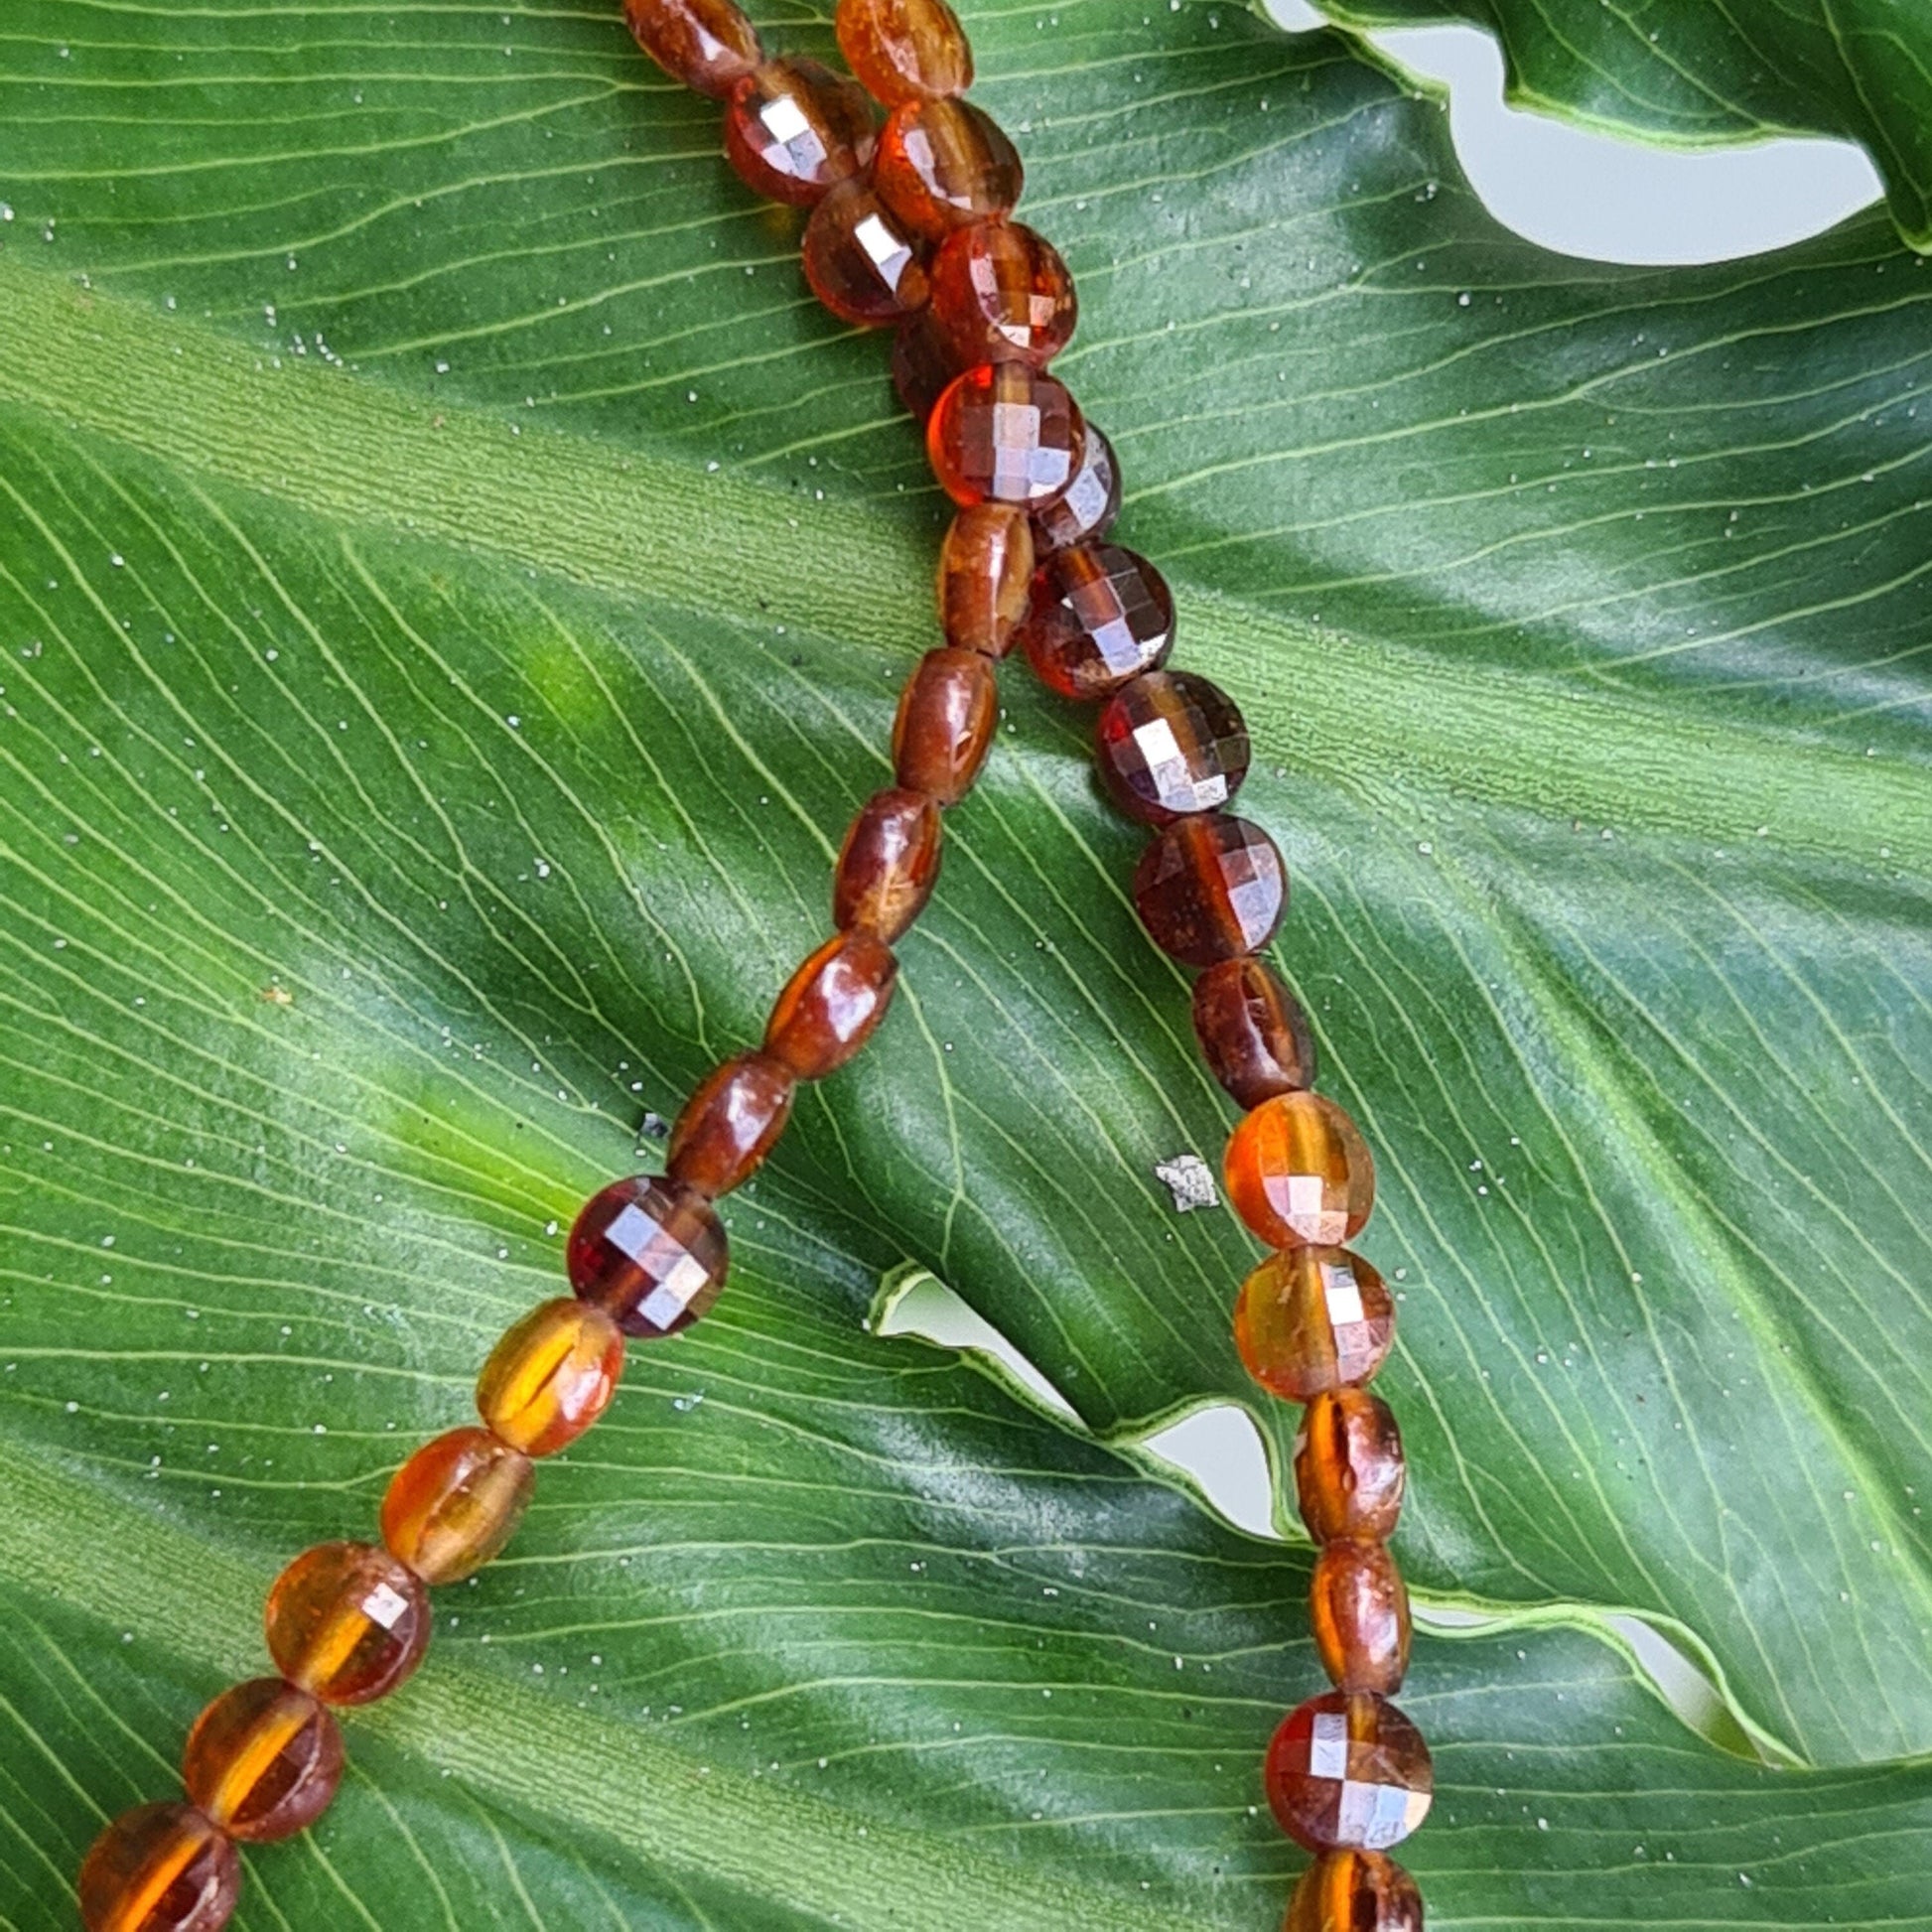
<point x="706" y="44"/>
<point x="347" y="1621"/>
<point x="1087" y="509"/>
<point x="730" y="1123"/>
<point x="1350" y="1472"/>
<point x="922" y="366"/>
<point x="1252" y="1031"/>
<point x="905" y="50"/>
<point x="942" y="164"/>
<point x="649" y="1253"/>
<point x="888" y="865"/>
<point x="831" y="1005"/>
<point x="1099" y="616"/>
<point x="1348" y="1771"/>
<point x="263" y="1761"/>
<point x="946" y="719"/>
<point x="1004" y="432"/>
<point x="1299" y="1173"/>
<point x="1311" y="1319"/>
<point x="1210" y="888"/>
<point x="1359" y="1613"/>
<point x="986" y="574"/>
<point x="551" y="1376"/>
<point x="456" y="1502"/>
<point x="859" y="260"/>
<point x="160" y="1869"/>
<point x="1354" y="1891"/>
<point x="794" y="128"/>
<point x="1002" y="294"/>
<point x="1168" y="743"/>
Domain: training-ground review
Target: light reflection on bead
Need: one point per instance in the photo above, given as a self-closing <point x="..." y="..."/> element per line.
<point x="708" y="45"/>
<point x="942" y="164"/>
<point x="1001" y="293"/>
<point x="831" y="1005"/>
<point x="986" y="574"/>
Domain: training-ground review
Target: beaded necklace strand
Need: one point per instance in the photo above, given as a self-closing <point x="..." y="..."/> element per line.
<point x="910" y="227"/>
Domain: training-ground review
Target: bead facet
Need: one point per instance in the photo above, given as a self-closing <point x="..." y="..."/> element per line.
<point x="831" y="1005"/>
<point x="1252" y="1031"/>
<point x="1002" y="294"/>
<point x="551" y="1376"/>
<point x="160" y="1869"/>
<point x="888" y="865"/>
<point x="1299" y="1171"/>
<point x="456" y="1502"/>
<point x="985" y="575"/>
<point x="1349" y="1473"/>
<point x="794" y="128"/>
<point x="1006" y="433"/>
<point x="862" y="264"/>
<point x="1354" y="1891"/>
<point x="905" y="50"/>
<point x="1348" y="1771"/>
<point x="1359" y="1614"/>
<point x="708" y="45"/>
<point x="942" y="164"/>
<point x="649" y="1253"/>
<point x="1210" y="888"/>
<point x="729" y="1124"/>
<point x="946" y="719"/>
<point x="263" y="1761"/>
<point x="1310" y="1320"/>
<point x="1086" y="512"/>
<point x="1168" y="743"/>
<point x="348" y="1621"/>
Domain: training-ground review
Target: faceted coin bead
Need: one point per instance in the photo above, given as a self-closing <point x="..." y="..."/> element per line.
<point x="942" y="164"/>
<point x="455" y="1503"/>
<point x="905" y="50"/>
<point x="831" y="1005"/>
<point x="888" y="865"/>
<point x="1359" y="1613"/>
<point x="922" y="366"/>
<point x="1354" y="1891"/>
<point x="1087" y="509"/>
<point x="1004" y="431"/>
<point x="551" y="1376"/>
<point x="730" y="1123"/>
<point x="1310" y="1320"/>
<point x="862" y="264"/>
<point x="1348" y="1771"/>
<point x="706" y="44"/>
<point x="1002" y="294"/>
<point x="1252" y="1031"/>
<point x="160" y="1869"/>
<point x="986" y="574"/>
<point x="348" y="1621"/>
<point x="1099" y="616"/>
<point x="1348" y="1468"/>
<point x="1210" y="888"/>
<point x="263" y="1761"/>
<point x="946" y="719"/>
<point x="1169" y="743"/>
<point x="1299" y="1171"/>
<point x="649" y="1253"/>
<point x="794" y="128"/>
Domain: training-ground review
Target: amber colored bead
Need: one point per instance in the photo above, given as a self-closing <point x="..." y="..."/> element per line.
<point x="830" y="1006"/>
<point x="1168" y="743"/>
<point x="942" y="164"/>
<point x="859" y="262"/>
<point x="348" y="1621"/>
<point x="1311" y="1319"/>
<point x="905" y="50"/>
<point x="1354" y="1891"/>
<point x="649" y="1253"/>
<point x="730" y="1123"/>
<point x="160" y="1869"/>
<point x="263" y="1761"/>
<point x="1002" y="294"/>
<point x="794" y="128"/>
<point x="1350" y="1472"/>
<point x="1087" y="509"/>
<point x="706" y="44"/>
<point x="946" y="719"/>
<point x="922" y="366"/>
<point x="455" y="1503"/>
<point x="551" y="1376"/>
<point x="1252" y="1031"/>
<point x="1210" y="888"/>
<point x="1006" y="433"/>
<point x="985" y="575"/>
<point x="1348" y="1771"/>
<point x="1099" y="618"/>
<point x="1359" y="1613"/>
<point x="1299" y="1173"/>
<point x="888" y="865"/>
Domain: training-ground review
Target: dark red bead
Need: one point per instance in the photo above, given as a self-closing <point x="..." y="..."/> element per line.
<point x="730" y="1123"/>
<point x="1086" y="511"/>
<point x="1350" y="1472"/>
<point x="859" y="261"/>
<point x="794" y="128"/>
<point x="1100" y="616"/>
<point x="942" y="164"/>
<point x="1004" y="433"/>
<point x="1169" y="743"/>
<point x="1348" y="1771"/>
<point x="1252" y="1031"/>
<point x="649" y="1253"/>
<point x="830" y="1006"/>
<point x="1001" y="294"/>
<point x="922" y="366"/>
<point x="905" y="50"/>
<point x="986" y="577"/>
<point x="708" y="45"/>
<point x="945" y="725"/>
<point x="1358" y="1612"/>
<point x="888" y="865"/>
<point x="1210" y="888"/>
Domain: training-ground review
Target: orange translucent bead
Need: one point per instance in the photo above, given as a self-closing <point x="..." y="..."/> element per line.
<point x="551" y="1376"/>
<point x="946" y="719"/>
<point x="348" y="1622"/>
<point x="905" y="50"/>
<point x="1354" y="1891"/>
<point x="1209" y="888"/>
<point x="1002" y="294"/>
<point x="794" y="128"/>
<point x="986" y="574"/>
<point x="263" y="1761"/>
<point x="888" y="865"/>
<point x="706" y="44"/>
<point x="1349" y="1473"/>
<point x="1310" y="1320"/>
<point x="1348" y="1771"/>
<point x="831" y="1005"/>
<point x="455" y="1503"/>
<point x="730" y="1123"/>
<point x="1359" y="1612"/>
<point x="1253" y="1033"/>
<point x="922" y="366"/>
<point x="650" y="1253"/>
<point x="942" y="164"/>
<point x="862" y="264"/>
<point x="1004" y="431"/>
<point x="1299" y="1171"/>
<point x="1091" y="502"/>
<point x="160" y="1869"/>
